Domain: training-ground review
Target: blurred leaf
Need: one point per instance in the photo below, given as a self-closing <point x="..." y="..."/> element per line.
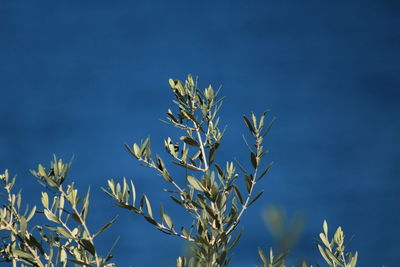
<point x="262" y="256"/>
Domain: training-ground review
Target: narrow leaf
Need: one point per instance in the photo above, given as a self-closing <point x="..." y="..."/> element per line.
<point x="248" y="123"/>
<point x="263" y="256"/>
<point x="238" y="194"/>
<point x="195" y="183"/>
<point x="167" y="220"/>
<point x="50" y="216"/>
<point x="190" y="141"/>
<point x="106" y="226"/>
<point x="88" y="246"/>
<point x="256" y="197"/>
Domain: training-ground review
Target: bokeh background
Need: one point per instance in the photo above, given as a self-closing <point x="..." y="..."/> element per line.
<point x="84" y="77"/>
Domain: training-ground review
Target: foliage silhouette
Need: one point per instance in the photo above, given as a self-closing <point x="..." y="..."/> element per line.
<point x="210" y="195"/>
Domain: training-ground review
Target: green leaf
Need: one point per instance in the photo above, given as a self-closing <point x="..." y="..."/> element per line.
<point x="262" y="256"/>
<point x="64" y="233"/>
<point x="254" y="119"/>
<point x="255" y="198"/>
<point x="190" y="141"/>
<point x="45" y="200"/>
<point x="195" y="183"/>
<point x="133" y="191"/>
<point x="184" y="165"/>
<point x="63" y="256"/>
<point x="136" y="150"/>
<point x="31" y="214"/>
<point x="176" y="200"/>
<point x="167" y="220"/>
<point x="220" y="172"/>
<point x="76" y="218"/>
<point x="88" y="246"/>
<point x="42" y="171"/>
<point x="85" y="205"/>
<point x="22" y="225"/>
<point x="185" y="232"/>
<point x="324" y="240"/>
<point x="234" y="242"/>
<point x="238" y="194"/>
<point x="150" y="220"/>
<point x="254" y="161"/>
<point x="21" y="254"/>
<point x="248" y="123"/>
<point x="325" y="226"/>
<point x="338" y="236"/>
<point x="148" y="206"/>
<point x="171" y="83"/>
<point x="333" y="257"/>
<point x="248" y="180"/>
<point x="34" y="243"/>
<point x="265" y="171"/>
<point x="106" y="226"/>
<point x="353" y="260"/>
<point x="51" y="217"/>
<point x="324" y="255"/>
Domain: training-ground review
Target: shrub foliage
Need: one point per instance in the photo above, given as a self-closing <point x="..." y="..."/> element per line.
<point x="210" y="193"/>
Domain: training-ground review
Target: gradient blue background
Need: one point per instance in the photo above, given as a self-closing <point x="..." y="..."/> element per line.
<point x="83" y="77"/>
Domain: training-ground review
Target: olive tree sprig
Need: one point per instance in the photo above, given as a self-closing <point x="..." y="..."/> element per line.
<point x="75" y="240"/>
<point x="333" y="251"/>
<point x="20" y="245"/>
<point x="209" y="193"/>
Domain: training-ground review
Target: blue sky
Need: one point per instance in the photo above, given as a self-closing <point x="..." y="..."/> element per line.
<point x="83" y="78"/>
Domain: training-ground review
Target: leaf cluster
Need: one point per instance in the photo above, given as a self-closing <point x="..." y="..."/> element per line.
<point x="209" y="192"/>
<point x="65" y="239"/>
<point x="333" y="251"/>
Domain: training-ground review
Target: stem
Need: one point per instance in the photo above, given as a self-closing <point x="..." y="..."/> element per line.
<point x="31" y="250"/>
<point x="163" y="228"/>
<point x="343" y="258"/>
<point x="82" y="223"/>
<point x="151" y="165"/>
<point x="201" y="147"/>
<point x="13" y="213"/>
<point x="253" y="182"/>
<point x="246" y="203"/>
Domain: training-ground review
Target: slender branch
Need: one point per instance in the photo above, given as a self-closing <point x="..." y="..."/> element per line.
<point x="82" y="223"/>
<point x="245" y="205"/>
<point x="13" y="213"/>
<point x="151" y="165"/>
<point x="201" y="147"/>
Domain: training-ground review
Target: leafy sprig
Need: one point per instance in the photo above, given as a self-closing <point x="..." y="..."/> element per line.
<point x="60" y="242"/>
<point x="210" y="193"/>
<point x="333" y="251"/>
